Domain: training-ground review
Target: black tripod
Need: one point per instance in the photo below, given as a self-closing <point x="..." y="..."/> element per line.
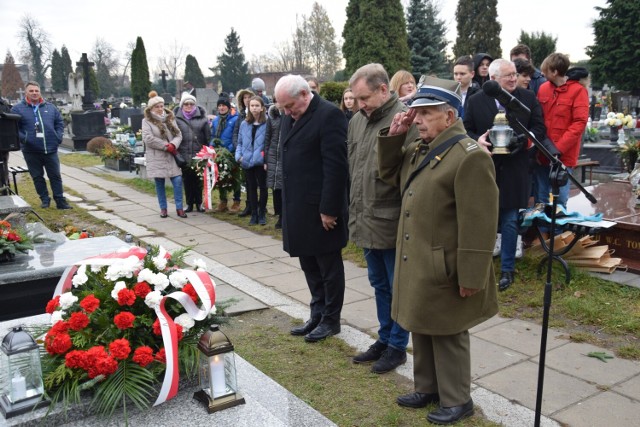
<point x="558" y="177"/>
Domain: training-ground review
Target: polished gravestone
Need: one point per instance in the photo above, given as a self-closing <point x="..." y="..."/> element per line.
<point x="85" y="126"/>
<point x="616" y="203"/>
<point x="14" y="205"/>
<point x="27" y="283"/>
<point x="125" y="113"/>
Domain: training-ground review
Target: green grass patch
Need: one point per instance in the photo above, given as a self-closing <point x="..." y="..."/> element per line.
<point x="80" y="160"/>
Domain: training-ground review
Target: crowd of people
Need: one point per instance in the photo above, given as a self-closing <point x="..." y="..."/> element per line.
<point x="397" y="168"/>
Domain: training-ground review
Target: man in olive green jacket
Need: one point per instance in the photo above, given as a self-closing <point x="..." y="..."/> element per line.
<point x="374" y="208"/>
<point x="444" y="281"/>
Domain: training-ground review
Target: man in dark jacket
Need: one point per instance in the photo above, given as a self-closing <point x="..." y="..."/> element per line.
<point x="41" y="127"/>
<point x="315" y="171"/>
<point x="512" y="170"/>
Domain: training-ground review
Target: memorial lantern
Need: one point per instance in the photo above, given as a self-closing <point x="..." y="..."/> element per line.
<point x="217" y="372"/>
<point x="21" y="388"/>
<point x="500" y="134"/>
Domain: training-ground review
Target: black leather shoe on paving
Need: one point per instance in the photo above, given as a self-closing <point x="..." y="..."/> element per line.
<point x="390" y="360"/>
<point x="372" y="354"/>
<point x="201" y="208"/>
<point x="189" y="208"/>
<point x="506" y="279"/>
<point x="309" y="326"/>
<point x="417" y="399"/>
<point x="62" y="204"/>
<point x="444" y="416"/>
<point x="322" y="331"/>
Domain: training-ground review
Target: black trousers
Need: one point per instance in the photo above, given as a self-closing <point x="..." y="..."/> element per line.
<point x="277" y="201"/>
<point x="257" y="179"/>
<point x="192" y="184"/>
<point x="325" y="278"/>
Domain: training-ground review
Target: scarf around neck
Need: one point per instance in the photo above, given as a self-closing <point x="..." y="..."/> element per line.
<point x="189" y="114"/>
<point x="222" y="124"/>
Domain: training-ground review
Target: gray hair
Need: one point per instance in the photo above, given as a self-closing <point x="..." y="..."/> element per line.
<point x="32" y="83"/>
<point x="494" y="67"/>
<point x="374" y="74"/>
<point x="293" y="85"/>
<point x="446" y="107"/>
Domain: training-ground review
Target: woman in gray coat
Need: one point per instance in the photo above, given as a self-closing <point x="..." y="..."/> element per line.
<point x="162" y="138"/>
<point x="273" y="164"/>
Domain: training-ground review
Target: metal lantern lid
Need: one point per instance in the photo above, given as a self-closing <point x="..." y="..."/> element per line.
<point x="214" y="341"/>
<point x="18" y="341"/>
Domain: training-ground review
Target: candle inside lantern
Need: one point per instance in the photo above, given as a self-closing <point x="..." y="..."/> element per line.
<point x="216" y="371"/>
<point x="18" y="387"/>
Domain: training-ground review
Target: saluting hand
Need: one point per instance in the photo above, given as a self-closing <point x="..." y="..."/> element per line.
<point x="401" y="122"/>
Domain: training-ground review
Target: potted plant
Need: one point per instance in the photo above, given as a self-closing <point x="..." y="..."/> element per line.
<point x="116" y="156"/>
<point x="628" y="153"/>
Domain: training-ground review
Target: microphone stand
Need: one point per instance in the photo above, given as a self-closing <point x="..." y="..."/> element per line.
<point x="558" y="177"/>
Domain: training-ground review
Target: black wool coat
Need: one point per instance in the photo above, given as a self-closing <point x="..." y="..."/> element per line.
<point x="512" y="170"/>
<point x="315" y="174"/>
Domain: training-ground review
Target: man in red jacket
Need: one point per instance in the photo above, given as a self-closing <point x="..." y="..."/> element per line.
<point x="565" y="107"/>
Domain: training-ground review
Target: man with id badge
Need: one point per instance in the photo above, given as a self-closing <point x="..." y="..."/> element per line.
<point x="40" y="131"/>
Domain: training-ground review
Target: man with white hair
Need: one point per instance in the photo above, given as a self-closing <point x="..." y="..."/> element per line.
<point x="512" y="170"/>
<point x="313" y="135"/>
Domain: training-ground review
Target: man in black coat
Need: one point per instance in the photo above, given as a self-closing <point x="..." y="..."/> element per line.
<point x="512" y="170"/>
<point x="315" y="171"/>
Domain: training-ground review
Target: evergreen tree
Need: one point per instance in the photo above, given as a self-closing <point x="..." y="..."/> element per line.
<point x="57" y="72"/>
<point x="233" y="69"/>
<point x="614" y="54"/>
<point x="11" y="80"/>
<point x="540" y="43"/>
<point x="478" y="28"/>
<point x="66" y="65"/>
<point x="426" y="38"/>
<point x="140" y="84"/>
<point x="323" y="50"/>
<point x="375" y="31"/>
<point x="193" y="73"/>
<point x="93" y="82"/>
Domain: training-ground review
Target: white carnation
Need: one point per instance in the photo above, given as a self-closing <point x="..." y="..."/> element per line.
<point x="80" y="277"/>
<point x="160" y="261"/>
<point x="178" y="279"/>
<point x="118" y="286"/>
<point x="153" y="299"/>
<point x="199" y="264"/>
<point x="56" y="316"/>
<point x="160" y="281"/>
<point x="67" y="299"/>
<point x="185" y="321"/>
<point x="146" y="275"/>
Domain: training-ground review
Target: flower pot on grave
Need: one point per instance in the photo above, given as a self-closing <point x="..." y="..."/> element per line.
<point x="613" y="135"/>
<point x="117" y="164"/>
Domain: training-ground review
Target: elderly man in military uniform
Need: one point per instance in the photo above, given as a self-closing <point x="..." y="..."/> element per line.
<point x="444" y="281"/>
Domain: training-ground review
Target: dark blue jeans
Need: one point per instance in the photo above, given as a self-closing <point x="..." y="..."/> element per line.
<point x="37" y="164"/>
<point x="380" y="266"/>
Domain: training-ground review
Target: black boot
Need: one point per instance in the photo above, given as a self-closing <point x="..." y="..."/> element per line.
<point x="246" y="211"/>
<point x="254" y="218"/>
<point x="262" y="216"/>
<point x="506" y="279"/>
<point x="278" y="225"/>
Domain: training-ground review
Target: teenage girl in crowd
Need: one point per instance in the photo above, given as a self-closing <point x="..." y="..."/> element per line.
<point x="349" y="104"/>
<point x="250" y="155"/>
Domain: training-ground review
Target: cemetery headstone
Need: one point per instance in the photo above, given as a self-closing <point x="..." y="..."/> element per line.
<point x="125" y="113"/>
<point x="87" y="99"/>
<point x="168" y="98"/>
<point x="135" y="121"/>
<point x="207" y="99"/>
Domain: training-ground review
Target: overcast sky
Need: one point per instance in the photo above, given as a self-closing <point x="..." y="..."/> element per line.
<point x="201" y="25"/>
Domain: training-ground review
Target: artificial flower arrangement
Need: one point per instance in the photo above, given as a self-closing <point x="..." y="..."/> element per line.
<point x="619" y="119"/>
<point x="115" y="151"/>
<point x="120" y="323"/>
<point x="629" y="152"/>
<point x="12" y="241"/>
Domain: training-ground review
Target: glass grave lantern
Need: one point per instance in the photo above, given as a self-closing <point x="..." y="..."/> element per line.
<point x="21" y="388"/>
<point x="500" y="134"/>
<point x="217" y="372"/>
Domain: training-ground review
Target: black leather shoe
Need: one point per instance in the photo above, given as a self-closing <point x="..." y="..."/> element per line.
<point x="417" y="399"/>
<point x="506" y="279"/>
<point x="201" y="208"/>
<point x="246" y="211"/>
<point x="45" y="204"/>
<point x="189" y="208"/>
<point x="62" y="204"/>
<point x="372" y="354"/>
<point x="322" y="331"/>
<point x="390" y="360"/>
<point x="444" y="416"/>
<point x="309" y="326"/>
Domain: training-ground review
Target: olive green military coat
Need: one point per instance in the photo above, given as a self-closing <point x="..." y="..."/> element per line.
<point x="446" y="234"/>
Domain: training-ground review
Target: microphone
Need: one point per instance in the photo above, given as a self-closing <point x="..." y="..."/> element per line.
<point x="493" y="89"/>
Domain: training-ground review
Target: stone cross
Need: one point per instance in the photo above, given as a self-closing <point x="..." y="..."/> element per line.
<point x="164" y="76"/>
<point x="21" y="92"/>
<point x="87" y="99"/>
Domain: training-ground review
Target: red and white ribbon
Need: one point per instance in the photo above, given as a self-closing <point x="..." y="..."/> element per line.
<point x="205" y="289"/>
<point x="210" y="174"/>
